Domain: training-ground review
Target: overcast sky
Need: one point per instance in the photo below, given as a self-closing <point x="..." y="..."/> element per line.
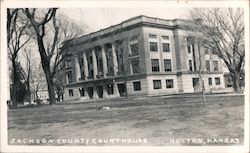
<point x="99" y="18"/>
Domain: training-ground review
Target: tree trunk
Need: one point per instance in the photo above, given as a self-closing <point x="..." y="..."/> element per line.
<point x="46" y="69"/>
<point x="52" y="99"/>
<point x="236" y="82"/>
<point x="28" y="92"/>
<point x="14" y="84"/>
<point x="50" y="85"/>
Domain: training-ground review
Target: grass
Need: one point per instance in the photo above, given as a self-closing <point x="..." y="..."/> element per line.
<point x="159" y="121"/>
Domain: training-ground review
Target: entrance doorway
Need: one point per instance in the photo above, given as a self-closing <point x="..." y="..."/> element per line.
<point x="122" y="89"/>
<point x="90" y="92"/>
<point x="99" y="91"/>
<point x="196" y="85"/>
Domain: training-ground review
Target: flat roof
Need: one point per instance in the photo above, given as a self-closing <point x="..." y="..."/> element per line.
<point x="129" y="22"/>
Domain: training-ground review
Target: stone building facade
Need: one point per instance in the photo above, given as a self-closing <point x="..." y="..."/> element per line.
<point x="140" y="56"/>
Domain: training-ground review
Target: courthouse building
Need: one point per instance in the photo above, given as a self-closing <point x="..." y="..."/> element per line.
<point x="140" y="56"/>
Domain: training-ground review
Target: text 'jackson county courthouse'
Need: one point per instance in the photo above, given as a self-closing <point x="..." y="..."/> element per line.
<point x="145" y="55"/>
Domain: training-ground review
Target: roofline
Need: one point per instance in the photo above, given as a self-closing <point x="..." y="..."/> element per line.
<point x="121" y="25"/>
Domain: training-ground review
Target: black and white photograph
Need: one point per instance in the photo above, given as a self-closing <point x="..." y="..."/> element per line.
<point x="124" y="76"/>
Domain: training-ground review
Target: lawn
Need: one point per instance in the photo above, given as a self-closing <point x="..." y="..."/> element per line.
<point x="177" y="120"/>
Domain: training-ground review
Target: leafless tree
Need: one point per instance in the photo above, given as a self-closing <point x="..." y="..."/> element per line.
<point x="223" y="34"/>
<point x="16" y="39"/>
<point x="39" y="20"/>
<point x="28" y="71"/>
<point x="51" y="31"/>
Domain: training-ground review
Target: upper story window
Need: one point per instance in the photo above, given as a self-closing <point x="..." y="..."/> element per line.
<point x="193" y="48"/>
<point x="134" y="49"/>
<point x="69" y="77"/>
<point x="134" y="38"/>
<point x="189" y="48"/>
<point x="165" y="37"/>
<point x="190" y="65"/>
<point x="90" y="59"/>
<point x="152" y="36"/>
<point x="153" y="46"/>
<point x="155" y="65"/>
<point x="216" y="65"/>
<point x="208" y="66"/>
<point x="68" y="63"/>
<point x="166" y="47"/>
<point x="206" y="51"/>
<point x="135" y="66"/>
<point x="167" y="65"/>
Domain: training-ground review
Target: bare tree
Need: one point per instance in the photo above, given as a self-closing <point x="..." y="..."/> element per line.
<point x="28" y="72"/>
<point x="223" y="34"/>
<point x="51" y="31"/>
<point x="68" y="30"/>
<point x="37" y="78"/>
<point x="39" y="21"/>
<point x="16" y="39"/>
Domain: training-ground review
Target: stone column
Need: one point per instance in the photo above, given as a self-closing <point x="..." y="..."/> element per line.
<point x="77" y="69"/>
<point x="104" y="62"/>
<point x="116" y="91"/>
<point x="86" y="71"/>
<point x="115" y="64"/>
<point x="95" y="95"/>
<point x="86" y="94"/>
<point x="94" y="63"/>
<point x="105" y="92"/>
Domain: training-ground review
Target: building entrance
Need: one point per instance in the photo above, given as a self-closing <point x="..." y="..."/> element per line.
<point x="99" y="90"/>
<point x="196" y="85"/>
<point x="121" y="89"/>
<point x="90" y="92"/>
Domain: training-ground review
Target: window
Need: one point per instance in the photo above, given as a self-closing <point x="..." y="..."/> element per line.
<point x="206" y="51"/>
<point x="134" y="49"/>
<point x="217" y="81"/>
<point x="135" y="66"/>
<point x="165" y="37"/>
<point x="71" y="93"/>
<point x="81" y="91"/>
<point x="110" y="89"/>
<point x="137" y="86"/>
<point x="68" y="64"/>
<point x="167" y="65"/>
<point x="170" y="83"/>
<point x="165" y="47"/>
<point x="190" y="65"/>
<point x="216" y="65"/>
<point x="153" y="46"/>
<point x="214" y="52"/>
<point x="69" y="77"/>
<point x="157" y="84"/>
<point x="152" y="36"/>
<point x="210" y="81"/>
<point x="100" y="65"/>
<point x="189" y="49"/>
<point x="90" y="59"/>
<point x="155" y="65"/>
<point x="133" y="38"/>
<point x="193" y="48"/>
<point x="208" y="66"/>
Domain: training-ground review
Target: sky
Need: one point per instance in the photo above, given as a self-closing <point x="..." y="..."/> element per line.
<point x="100" y="18"/>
